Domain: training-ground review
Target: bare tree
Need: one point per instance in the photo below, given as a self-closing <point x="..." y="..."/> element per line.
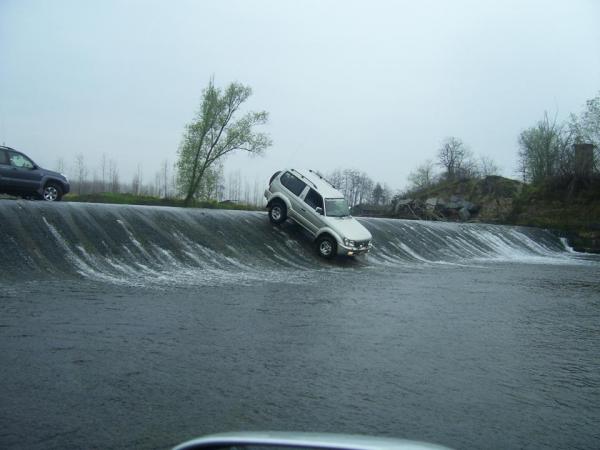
<point x="356" y="186"/>
<point x="104" y="170"/>
<point x="455" y="158"/>
<point x="247" y="191"/>
<point x="423" y="176"/>
<point x="230" y="190"/>
<point x="60" y="165"/>
<point x="80" y="172"/>
<point x="174" y="182"/>
<point x="256" y="198"/>
<point x="337" y="179"/>
<point x="96" y="182"/>
<point x="365" y="189"/>
<point x="488" y="167"/>
<point x="164" y="173"/>
<point x="113" y="176"/>
<point x="136" y="183"/>
<point x="387" y="195"/>
<point x="377" y="194"/>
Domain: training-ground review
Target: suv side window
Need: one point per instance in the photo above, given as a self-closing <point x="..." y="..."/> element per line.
<point x="18" y="160"/>
<point x="3" y="157"/>
<point x="314" y="199"/>
<point x="293" y="183"/>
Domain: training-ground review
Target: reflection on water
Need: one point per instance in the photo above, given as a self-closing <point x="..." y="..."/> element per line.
<point x="461" y="356"/>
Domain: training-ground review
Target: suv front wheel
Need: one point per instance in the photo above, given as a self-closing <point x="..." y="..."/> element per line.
<point x="326" y="246"/>
<point x="52" y="192"/>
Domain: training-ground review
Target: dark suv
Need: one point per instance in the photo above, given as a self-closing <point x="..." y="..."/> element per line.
<point x="20" y="176"/>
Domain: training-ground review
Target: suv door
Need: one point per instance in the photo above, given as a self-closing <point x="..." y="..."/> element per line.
<point x="296" y="187"/>
<point x="314" y="200"/>
<point x="4" y="169"/>
<point x="23" y="174"/>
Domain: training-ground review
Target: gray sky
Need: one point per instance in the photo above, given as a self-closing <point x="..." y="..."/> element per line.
<point x="371" y="85"/>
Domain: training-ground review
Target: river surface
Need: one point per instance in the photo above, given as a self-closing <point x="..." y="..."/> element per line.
<point x="115" y="334"/>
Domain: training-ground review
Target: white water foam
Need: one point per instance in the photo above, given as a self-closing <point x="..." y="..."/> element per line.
<point x="165" y="269"/>
<point x="565" y="243"/>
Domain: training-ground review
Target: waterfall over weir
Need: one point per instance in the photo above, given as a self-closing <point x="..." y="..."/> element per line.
<point x="174" y="246"/>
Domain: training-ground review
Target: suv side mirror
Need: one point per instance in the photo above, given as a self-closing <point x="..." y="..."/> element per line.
<point x="319" y="210"/>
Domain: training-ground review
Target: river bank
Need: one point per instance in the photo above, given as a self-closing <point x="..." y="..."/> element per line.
<point x="568" y="207"/>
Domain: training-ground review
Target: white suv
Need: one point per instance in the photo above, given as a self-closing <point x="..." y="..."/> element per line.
<point x="316" y="205"/>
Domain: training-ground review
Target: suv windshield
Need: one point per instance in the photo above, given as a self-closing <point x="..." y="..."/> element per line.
<point x="336" y="207"/>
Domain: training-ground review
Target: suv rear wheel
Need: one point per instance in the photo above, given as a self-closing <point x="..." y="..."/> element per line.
<point x="326" y="246"/>
<point x="277" y="212"/>
<point x="52" y="192"/>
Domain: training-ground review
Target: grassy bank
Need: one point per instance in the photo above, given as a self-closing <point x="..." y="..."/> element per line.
<point x="132" y="199"/>
<point x="570" y="207"/>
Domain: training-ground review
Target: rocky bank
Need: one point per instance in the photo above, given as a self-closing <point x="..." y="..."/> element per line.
<point x="569" y="207"/>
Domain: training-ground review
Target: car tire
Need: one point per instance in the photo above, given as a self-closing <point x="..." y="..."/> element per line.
<point x="52" y="192"/>
<point x="326" y="246"/>
<point x="277" y="212"/>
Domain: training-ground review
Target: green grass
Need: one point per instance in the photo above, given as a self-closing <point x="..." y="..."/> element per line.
<point x="473" y="189"/>
<point x="132" y="199"/>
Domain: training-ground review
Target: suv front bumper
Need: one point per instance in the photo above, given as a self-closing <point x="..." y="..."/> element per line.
<point x="347" y="250"/>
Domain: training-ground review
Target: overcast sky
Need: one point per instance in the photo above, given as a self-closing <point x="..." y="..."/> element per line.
<point x="371" y="85"/>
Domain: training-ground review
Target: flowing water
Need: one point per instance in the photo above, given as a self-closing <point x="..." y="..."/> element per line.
<point x="140" y="327"/>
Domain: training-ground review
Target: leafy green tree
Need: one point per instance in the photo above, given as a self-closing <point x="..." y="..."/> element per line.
<point x="215" y="133"/>
<point x="545" y="151"/>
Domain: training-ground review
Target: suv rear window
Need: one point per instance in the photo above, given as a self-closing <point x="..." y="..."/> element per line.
<point x="293" y="183"/>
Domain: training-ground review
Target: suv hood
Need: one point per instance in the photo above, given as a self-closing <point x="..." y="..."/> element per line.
<point x="52" y="173"/>
<point x="348" y="227"/>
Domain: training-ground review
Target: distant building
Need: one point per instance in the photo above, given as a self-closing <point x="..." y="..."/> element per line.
<point x="584" y="159"/>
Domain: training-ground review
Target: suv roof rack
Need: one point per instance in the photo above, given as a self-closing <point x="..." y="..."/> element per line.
<point x="307" y="179"/>
<point x="322" y="178"/>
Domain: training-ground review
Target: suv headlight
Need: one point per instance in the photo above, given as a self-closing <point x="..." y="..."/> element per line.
<point x="349" y="243"/>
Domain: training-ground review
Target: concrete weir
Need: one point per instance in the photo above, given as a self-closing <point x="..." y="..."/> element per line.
<point x="148" y="245"/>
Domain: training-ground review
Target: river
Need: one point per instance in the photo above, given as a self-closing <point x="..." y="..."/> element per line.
<point x="141" y="327"/>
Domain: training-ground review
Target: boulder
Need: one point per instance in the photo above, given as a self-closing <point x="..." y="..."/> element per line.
<point x="431" y="202"/>
<point x="464" y="214"/>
